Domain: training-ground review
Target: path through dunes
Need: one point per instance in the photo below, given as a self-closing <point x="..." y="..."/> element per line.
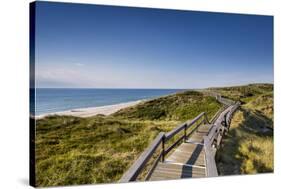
<point x="188" y="160"/>
<point x="190" y="155"/>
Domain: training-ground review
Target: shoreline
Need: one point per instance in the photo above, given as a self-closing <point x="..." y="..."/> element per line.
<point x="92" y="111"/>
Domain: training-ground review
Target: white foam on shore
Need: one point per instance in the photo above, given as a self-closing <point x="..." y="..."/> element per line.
<point x="92" y="111"/>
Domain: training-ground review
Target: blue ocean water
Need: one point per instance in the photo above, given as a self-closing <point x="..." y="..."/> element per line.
<point x="49" y="100"/>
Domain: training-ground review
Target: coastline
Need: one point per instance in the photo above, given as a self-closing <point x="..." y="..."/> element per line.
<point x="92" y="111"/>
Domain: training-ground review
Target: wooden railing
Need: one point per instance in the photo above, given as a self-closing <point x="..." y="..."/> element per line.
<point x="220" y="122"/>
<point x="137" y="167"/>
<point x="214" y="118"/>
<point x="213" y="139"/>
<point x="162" y="140"/>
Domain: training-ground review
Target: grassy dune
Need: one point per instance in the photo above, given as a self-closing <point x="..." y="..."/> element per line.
<point x="179" y="107"/>
<point x="248" y="146"/>
<point x="100" y="149"/>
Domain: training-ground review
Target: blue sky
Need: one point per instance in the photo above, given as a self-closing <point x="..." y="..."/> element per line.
<point x="119" y="47"/>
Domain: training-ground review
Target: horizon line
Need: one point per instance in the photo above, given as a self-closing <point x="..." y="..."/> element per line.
<point x="154" y="88"/>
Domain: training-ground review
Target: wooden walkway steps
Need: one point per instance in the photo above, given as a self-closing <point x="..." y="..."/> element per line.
<point x="170" y="171"/>
<point x="188" y="160"/>
<point x="190" y="154"/>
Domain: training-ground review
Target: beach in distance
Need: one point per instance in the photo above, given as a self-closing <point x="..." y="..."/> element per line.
<point x="92" y="111"/>
<point x="90" y="102"/>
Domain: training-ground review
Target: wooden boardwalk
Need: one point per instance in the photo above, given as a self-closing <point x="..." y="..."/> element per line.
<point x="187" y="160"/>
<point x="190" y="154"/>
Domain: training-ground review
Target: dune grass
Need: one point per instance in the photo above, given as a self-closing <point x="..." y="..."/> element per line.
<point x="244" y="93"/>
<point x="90" y="150"/>
<point x="248" y="146"/>
<point x="99" y="149"/>
<point x="179" y="107"/>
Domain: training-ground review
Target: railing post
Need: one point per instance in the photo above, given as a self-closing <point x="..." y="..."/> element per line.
<point x="185" y="127"/>
<point x="163" y="149"/>
<point x="205" y="118"/>
<point x="225" y="121"/>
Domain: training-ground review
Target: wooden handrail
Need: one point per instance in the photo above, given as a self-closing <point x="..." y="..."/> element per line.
<point x="137" y="167"/>
<point x="161" y="138"/>
<point x="215" y="135"/>
<point x="183" y="126"/>
<point x="175" y="131"/>
<point x="196" y="118"/>
<point x="230" y="114"/>
<point x="217" y="114"/>
<point x="211" y="168"/>
<point x="140" y="163"/>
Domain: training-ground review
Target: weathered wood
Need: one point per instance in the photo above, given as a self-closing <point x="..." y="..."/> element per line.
<point x="136" y="168"/>
<point x="216" y="134"/>
<point x="211" y="168"/>
<point x="184" y="162"/>
<point x="219" y="139"/>
<point x="191" y="157"/>
<point x="198" y="160"/>
<point x="187" y="153"/>
<point x="194" y="129"/>
<point x="197" y="135"/>
<point x="213" y="133"/>
<point x="175" y="131"/>
<point x="163" y="149"/>
<point x="217" y="114"/>
<point x="168" y="171"/>
<point x="183" y="126"/>
<point x="156" y="161"/>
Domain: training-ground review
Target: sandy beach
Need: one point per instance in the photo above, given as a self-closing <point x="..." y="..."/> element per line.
<point x="92" y="111"/>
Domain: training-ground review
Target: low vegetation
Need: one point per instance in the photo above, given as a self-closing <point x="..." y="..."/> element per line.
<point x="179" y="107"/>
<point x="248" y="146"/>
<point x="99" y="149"/>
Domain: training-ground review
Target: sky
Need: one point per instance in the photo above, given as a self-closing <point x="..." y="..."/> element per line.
<point x="91" y="46"/>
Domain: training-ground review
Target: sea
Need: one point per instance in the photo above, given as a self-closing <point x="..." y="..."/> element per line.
<point x="50" y="100"/>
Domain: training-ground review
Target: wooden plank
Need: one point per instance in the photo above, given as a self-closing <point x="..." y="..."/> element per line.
<point x="136" y="168"/>
<point x="173" y="171"/>
<point x="186" y="154"/>
<point x="211" y="167"/>
<point x="196" y="139"/>
<point x="197" y="136"/>
<point x="155" y="163"/>
<point x="205" y="128"/>
<point x="194" y="129"/>
<point x="179" y="173"/>
<point x="188" y="147"/>
<point x="175" y="168"/>
<point x="188" y="158"/>
<point x="193" y="156"/>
